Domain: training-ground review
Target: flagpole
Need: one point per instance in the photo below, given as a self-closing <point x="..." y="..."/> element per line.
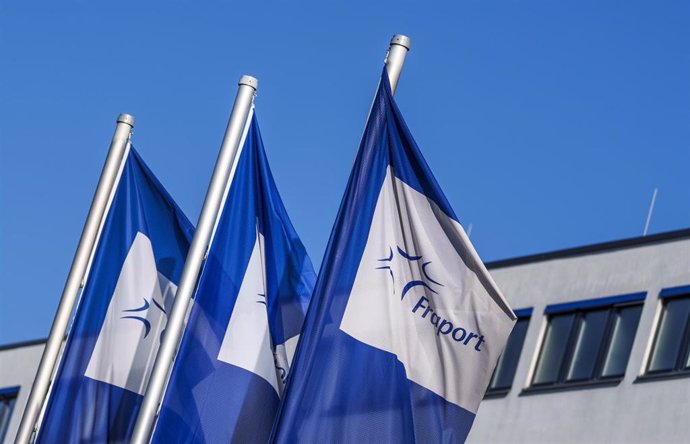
<point x="395" y="58"/>
<point x="197" y="251"/>
<point x="399" y="47"/>
<point x="51" y="351"/>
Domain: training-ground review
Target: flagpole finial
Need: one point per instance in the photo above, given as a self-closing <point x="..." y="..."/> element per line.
<point x="126" y="118"/>
<point x="402" y="40"/>
<point x="395" y="57"/>
<point x="249" y="81"/>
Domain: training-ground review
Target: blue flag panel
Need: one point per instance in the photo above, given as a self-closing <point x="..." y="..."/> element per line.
<point x="406" y="324"/>
<point x="121" y="315"/>
<point x="247" y="315"/>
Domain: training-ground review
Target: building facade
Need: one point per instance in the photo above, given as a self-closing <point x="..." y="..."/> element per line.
<point x="600" y="354"/>
<point x="602" y="351"/>
<point x="18" y="364"/>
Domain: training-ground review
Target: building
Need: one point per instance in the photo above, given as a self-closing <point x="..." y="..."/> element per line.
<point x="600" y="354"/>
<point x="601" y="351"/>
<point x="18" y="364"/>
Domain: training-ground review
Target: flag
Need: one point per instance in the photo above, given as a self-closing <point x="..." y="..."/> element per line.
<point x="122" y="313"/>
<point x="248" y="310"/>
<point x="406" y="324"/>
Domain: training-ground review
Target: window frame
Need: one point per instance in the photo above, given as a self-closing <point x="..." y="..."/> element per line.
<point x="579" y="309"/>
<point x="680" y="369"/>
<point x="8" y="394"/>
<point x="524" y="314"/>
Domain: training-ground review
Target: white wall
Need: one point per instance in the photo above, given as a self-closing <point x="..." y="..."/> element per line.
<point x="18" y="368"/>
<point x="648" y="412"/>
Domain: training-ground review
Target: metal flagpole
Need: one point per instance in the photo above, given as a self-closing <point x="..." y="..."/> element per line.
<point x="395" y="57"/>
<point x="197" y="251"/>
<point x="399" y="46"/>
<point x="107" y="182"/>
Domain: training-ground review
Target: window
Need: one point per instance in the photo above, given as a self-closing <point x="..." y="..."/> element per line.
<point x="8" y="396"/>
<point x="502" y="379"/>
<point x="671" y="349"/>
<point x="588" y="342"/>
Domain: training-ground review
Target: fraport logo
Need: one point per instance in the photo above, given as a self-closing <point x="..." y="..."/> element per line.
<point x="138" y="314"/>
<point x="393" y="264"/>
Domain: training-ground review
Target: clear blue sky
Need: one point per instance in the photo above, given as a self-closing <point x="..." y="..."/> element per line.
<point x="548" y="124"/>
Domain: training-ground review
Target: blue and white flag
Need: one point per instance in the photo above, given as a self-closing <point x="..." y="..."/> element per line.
<point x="406" y="324"/>
<point x="249" y="307"/>
<point x="122" y="314"/>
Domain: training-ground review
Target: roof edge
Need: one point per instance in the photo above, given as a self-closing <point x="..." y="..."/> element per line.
<point x="602" y="247"/>
<point x="21" y="344"/>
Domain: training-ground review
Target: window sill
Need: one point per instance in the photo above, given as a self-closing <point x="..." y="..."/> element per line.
<point x="495" y="394"/>
<point x="650" y="377"/>
<point x="585" y="385"/>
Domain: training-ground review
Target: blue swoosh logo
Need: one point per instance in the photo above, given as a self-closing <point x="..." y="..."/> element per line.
<point x="147" y="324"/>
<point x="142" y="308"/>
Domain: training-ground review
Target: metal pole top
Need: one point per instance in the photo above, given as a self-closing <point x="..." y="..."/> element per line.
<point x="126" y="118"/>
<point x="402" y="40"/>
<point x="249" y="81"/>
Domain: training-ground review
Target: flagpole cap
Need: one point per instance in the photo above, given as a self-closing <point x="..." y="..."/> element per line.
<point x="402" y="40"/>
<point x="249" y="81"/>
<point x="126" y="118"/>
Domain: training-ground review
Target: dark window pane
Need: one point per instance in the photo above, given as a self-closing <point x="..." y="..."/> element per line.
<point x="590" y="335"/>
<point x="505" y="369"/>
<point x="6" y="405"/>
<point x="622" y="337"/>
<point x="670" y="335"/>
<point x="554" y="348"/>
<point x="4" y="419"/>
